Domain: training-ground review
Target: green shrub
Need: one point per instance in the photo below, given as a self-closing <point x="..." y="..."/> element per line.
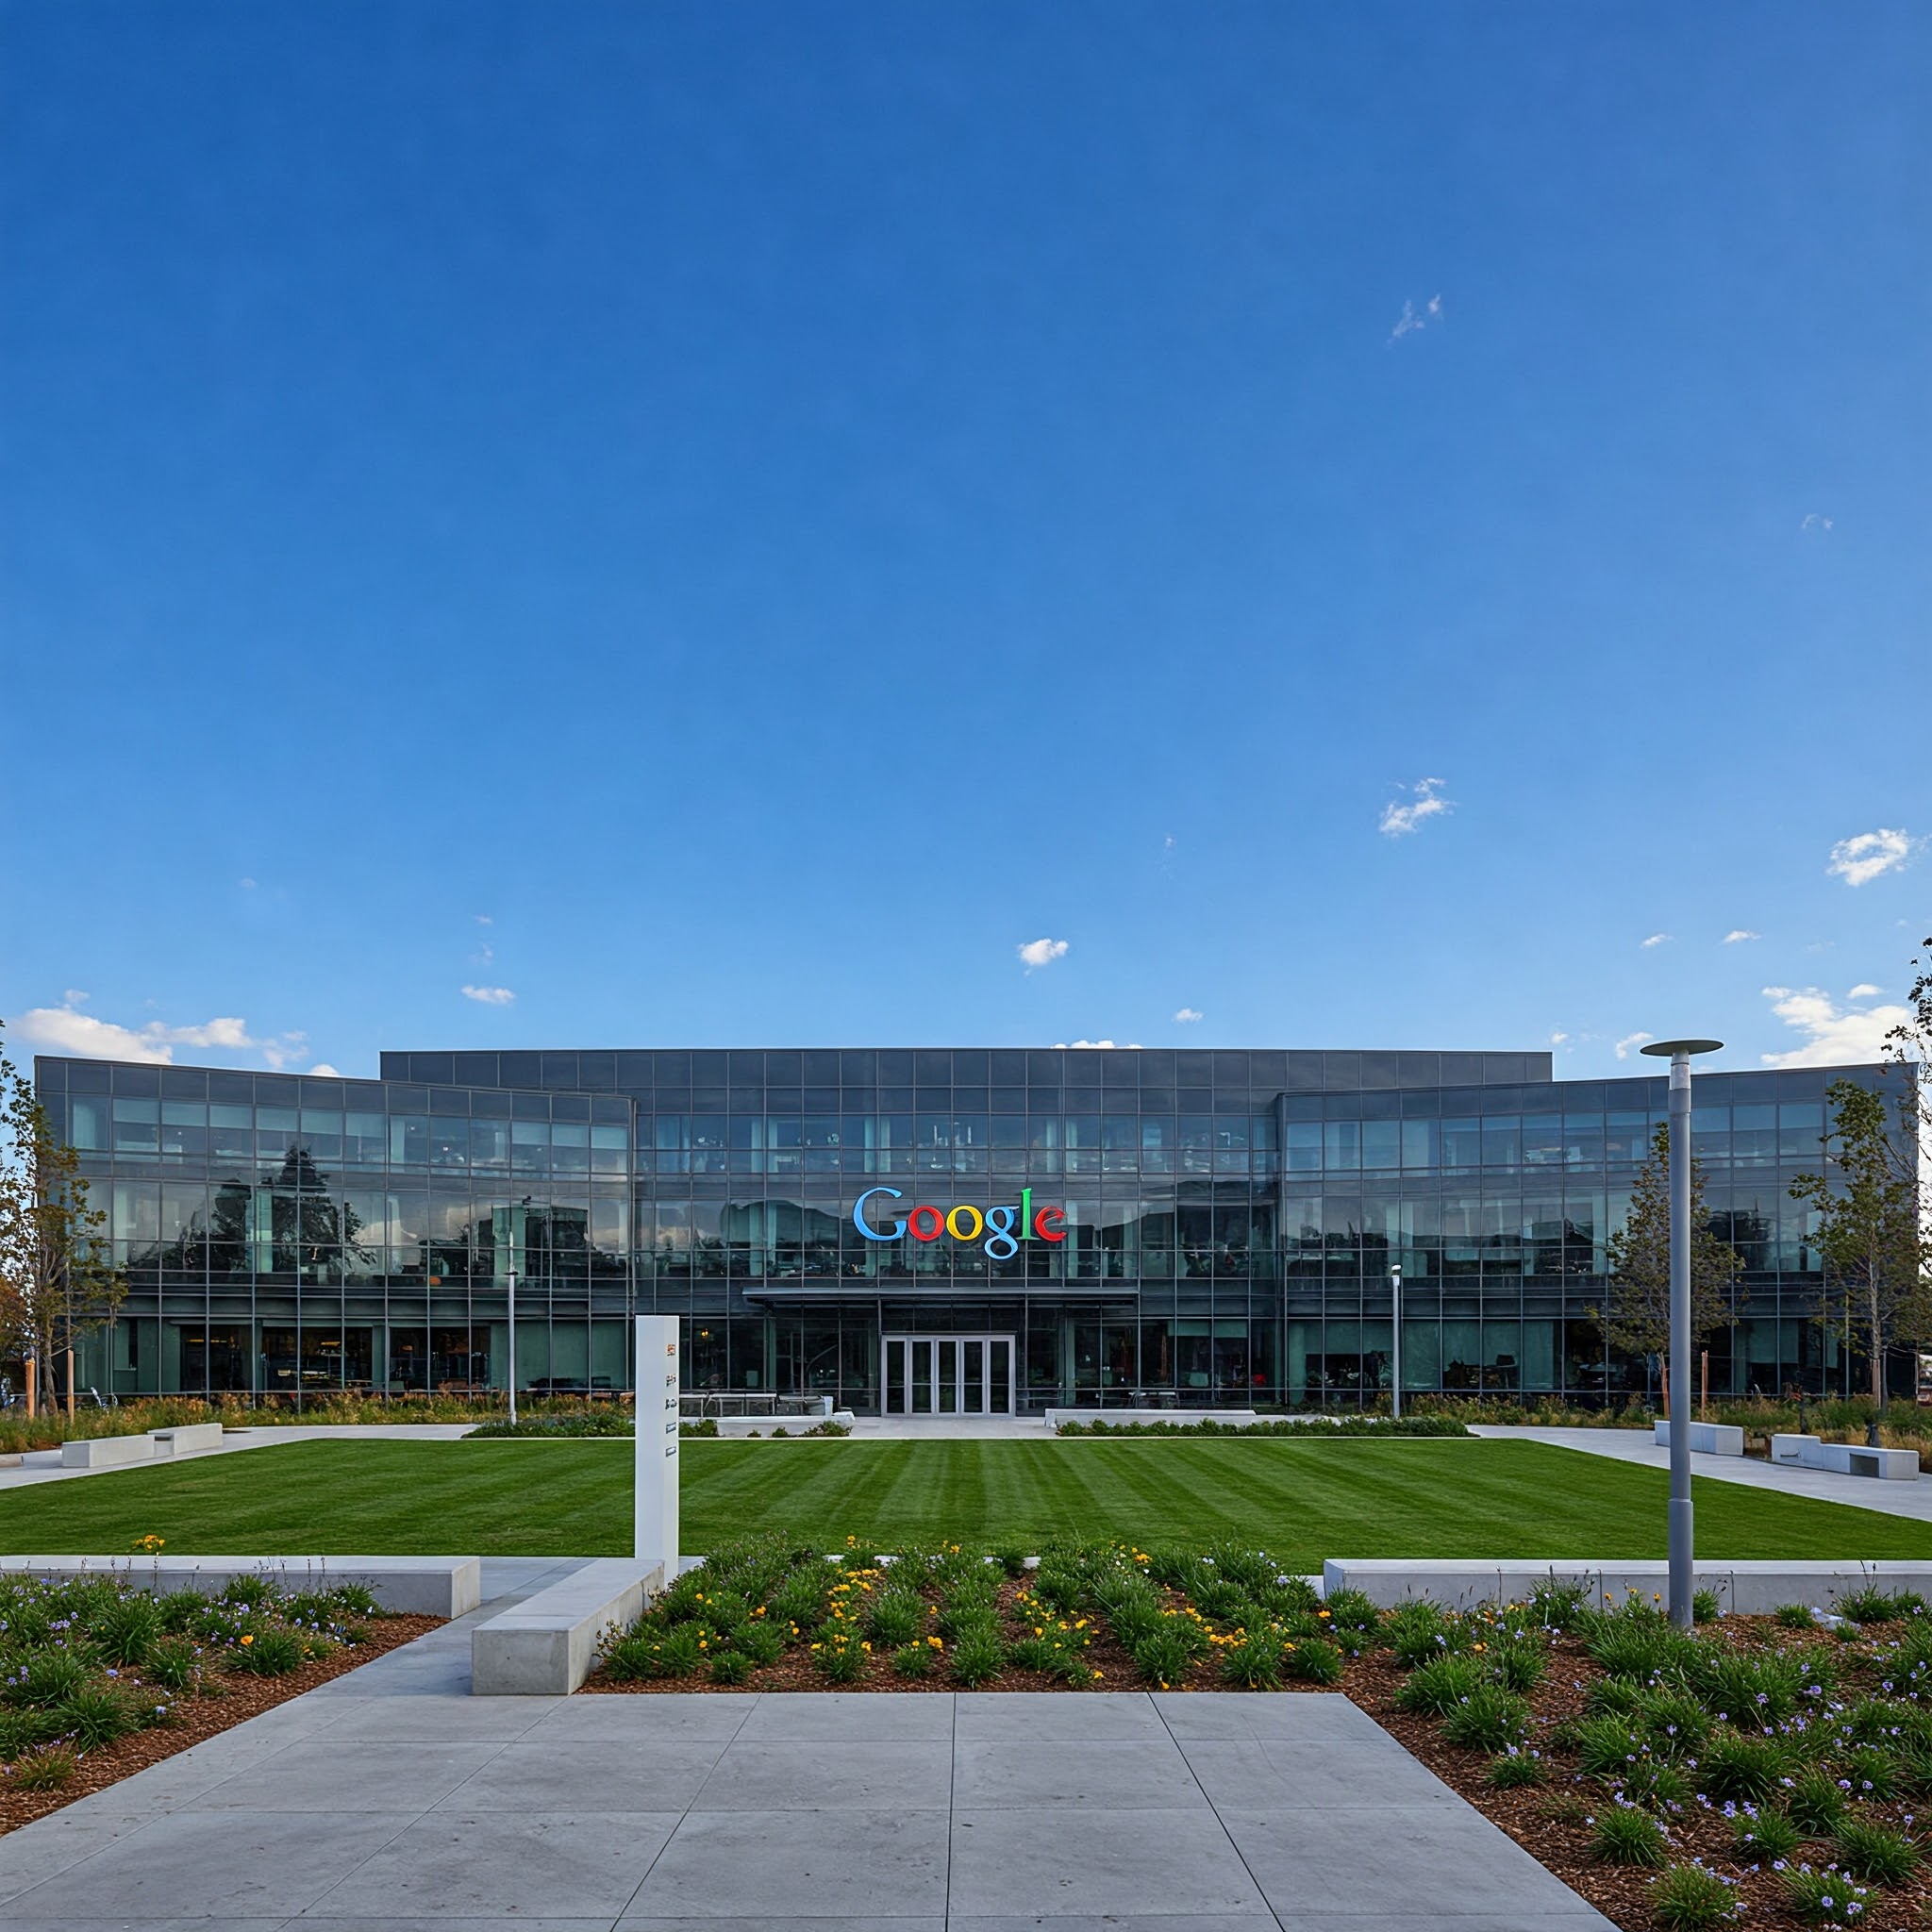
<point x="1011" y="1557"/>
<point x="45" y="1770"/>
<point x="1315" y="1661"/>
<point x="97" y="1714"/>
<point x="1815" y="1802"/>
<point x="1627" y="1835"/>
<point x="1705" y="1608"/>
<point x="172" y="1662"/>
<point x="1419" y="1631"/>
<point x="47" y="1678"/>
<point x="1255" y="1663"/>
<point x="801" y="1599"/>
<point x="1735" y="1765"/>
<point x="915" y="1659"/>
<point x="1795" y="1616"/>
<point x="1488" y="1719"/>
<point x="1829" y="1898"/>
<point x="1519" y="1663"/>
<point x="252" y="1593"/>
<point x="1515" y="1769"/>
<point x="1606" y="1747"/>
<point x="759" y="1641"/>
<point x="1433" y="1689"/>
<point x="1614" y="1697"/>
<point x="1165" y="1655"/>
<point x="896" y="1617"/>
<point x="731" y="1667"/>
<point x="1654" y="1783"/>
<point x="1872" y="1851"/>
<point x="268" y="1654"/>
<point x="1691" y="1898"/>
<point x="1672" y="1722"/>
<point x="126" y="1629"/>
<point x="1760" y="1837"/>
<point x="976" y="1659"/>
<point x="1642" y="1649"/>
<point x="1558" y="1605"/>
<point x="1871" y="1605"/>
<point x="1872" y="1772"/>
<point x="1351" y="1611"/>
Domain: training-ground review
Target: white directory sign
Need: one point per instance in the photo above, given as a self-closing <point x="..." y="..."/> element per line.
<point x="659" y="1383"/>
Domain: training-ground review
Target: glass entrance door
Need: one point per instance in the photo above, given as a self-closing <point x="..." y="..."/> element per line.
<point x="948" y="1375"/>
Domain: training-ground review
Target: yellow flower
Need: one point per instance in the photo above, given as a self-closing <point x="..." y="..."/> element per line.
<point x="248" y="1639"/>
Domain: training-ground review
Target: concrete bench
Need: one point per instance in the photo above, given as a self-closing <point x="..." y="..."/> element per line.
<point x="107" y="1451"/>
<point x="1183" y="1418"/>
<point x="1845" y="1459"/>
<point x="189" y="1439"/>
<point x="1707" y="1439"/>
<point x="410" y="1586"/>
<point x="545" y="1645"/>
<point x="1743" y="1588"/>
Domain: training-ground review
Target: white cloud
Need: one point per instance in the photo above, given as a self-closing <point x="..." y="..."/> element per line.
<point x="1167" y="843"/>
<point x="489" y="995"/>
<point x="1559" y="1037"/>
<point x="1833" y="1035"/>
<point x="1814" y="521"/>
<point x="1630" y="1043"/>
<point x="1187" y="1015"/>
<point x="1037" y="953"/>
<point x="1412" y="318"/>
<point x="1064" y="1046"/>
<point x="1859" y="861"/>
<point x="1658" y="939"/>
<point x="321" y="1070"/>
<point x="65" y="1029"/>
<point x="1429" y="802"/>
<point x="484" y="919"/>
<point x="246" y="885"/>
<point x="73" y="997"/>
<point x="1864" y="990"/>
<point x="1738" y="935"/>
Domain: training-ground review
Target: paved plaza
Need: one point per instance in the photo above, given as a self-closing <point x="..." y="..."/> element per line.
<point x="393" y="1801"/>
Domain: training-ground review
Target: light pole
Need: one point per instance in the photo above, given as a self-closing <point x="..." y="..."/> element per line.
<point x="1395" y="1334"/>
<point x="512" y="1327"/>
<point x="1683" y="1581"/>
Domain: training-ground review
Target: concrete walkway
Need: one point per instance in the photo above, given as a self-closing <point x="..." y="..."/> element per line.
<point x="43" y="1465"/>
<point x="392" y="1800"/>
<point x="1636" y="1445"/>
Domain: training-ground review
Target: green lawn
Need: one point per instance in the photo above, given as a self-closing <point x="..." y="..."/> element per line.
<point x="1304" y="1501"/>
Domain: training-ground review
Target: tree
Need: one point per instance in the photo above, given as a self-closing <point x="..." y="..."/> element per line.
<point x="1868" y="1233"/>
<point x="1908" y="1045"/>
<point x="57" y="1280"/>
<point x="1637" y="1317"/>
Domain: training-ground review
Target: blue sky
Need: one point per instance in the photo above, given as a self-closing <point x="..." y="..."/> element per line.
<point x="675" y="524"/>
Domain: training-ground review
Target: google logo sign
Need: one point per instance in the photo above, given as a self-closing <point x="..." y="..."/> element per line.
<point x="966" y="1223"/>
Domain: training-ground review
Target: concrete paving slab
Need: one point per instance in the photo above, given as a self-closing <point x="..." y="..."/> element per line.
<point x="125" y="1924"/>
<point x="546" y="1774"/>
<point x="813" y="1717"/>
<point x="1258" y="1716"/>
<point x="763" y="1774"/>
<point x="58" y="1842"/>
<point x="217" y="1864"/>
<point x="1478" y="1918"/>
<point x="372" y="1777"/>
<point x="1068" y="1859"/>
<point x="1118" y="1773"/>
<point x="1260" y="1920"/>
<point x="489" y="1866"/>
<point x="1031" y="1715"/>
<point x="1328" y="1774"/>
<point x="688" y="1923"/>
<point x="1415" y="1856"/>
<point x="440" y="1716"/>
<point x="719" y="1716"/>
<point x="457" y="1922"/>
<point x="773" y="1866"/>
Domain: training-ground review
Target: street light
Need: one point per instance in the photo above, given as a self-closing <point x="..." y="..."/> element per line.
<point x="513" y="1348"/>
<point x="1683" y="1582"/>
<point x="1395" y="1352"/>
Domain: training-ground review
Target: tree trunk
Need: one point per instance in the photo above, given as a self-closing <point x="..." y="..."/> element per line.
<point x="1877" y="1346"/>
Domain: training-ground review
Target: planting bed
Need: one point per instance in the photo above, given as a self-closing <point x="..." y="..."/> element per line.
<point x="98" y="1681"/>
<point x="1761" y="1770"/>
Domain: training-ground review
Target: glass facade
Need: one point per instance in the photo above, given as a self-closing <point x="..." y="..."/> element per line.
<point x="1149" y="1226"/>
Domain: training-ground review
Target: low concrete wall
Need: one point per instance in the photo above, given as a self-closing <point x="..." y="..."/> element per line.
<point x="410" y="1585"/>
<point x="1707" y="1439"/>
<point x="545" y="1645"/>
<point x="107" y="1451"/>
<point x="1846" y="1458"/>
<point x="189" y="1439"/>
<point x="1747" y="1588"/>
<point x="1181" y="1417"/>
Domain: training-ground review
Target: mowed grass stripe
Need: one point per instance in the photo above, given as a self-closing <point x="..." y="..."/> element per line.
<point x="1304" y="1501"/>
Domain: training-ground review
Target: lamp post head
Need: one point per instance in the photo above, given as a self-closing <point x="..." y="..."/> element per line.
<point x="1669" y="1049"/>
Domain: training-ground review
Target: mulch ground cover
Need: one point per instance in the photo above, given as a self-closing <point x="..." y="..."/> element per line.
<point x="195" y="1718"/>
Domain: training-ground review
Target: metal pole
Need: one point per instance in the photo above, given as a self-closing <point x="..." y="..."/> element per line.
<point x="1395" y="1352"/>
<point x="512" y="1327"/>
<point x="1682" y="1568"/>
